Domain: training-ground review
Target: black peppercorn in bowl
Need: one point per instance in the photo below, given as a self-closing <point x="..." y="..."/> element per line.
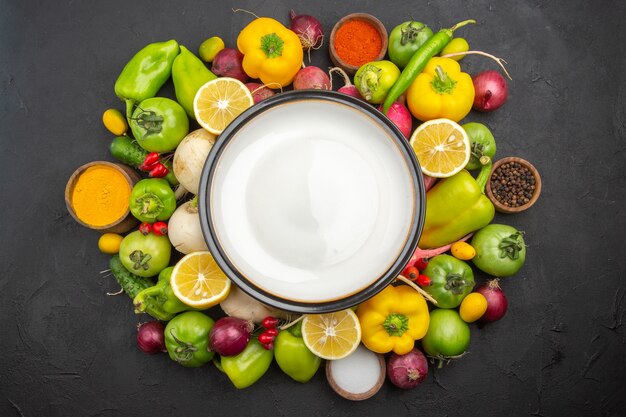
<point x="514" y="185"/>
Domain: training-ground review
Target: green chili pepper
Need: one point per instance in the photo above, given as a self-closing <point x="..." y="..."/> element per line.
<point x="292" y="355"/>
<point x="456" y="206"/>
<point x="152" y="200"/>
<point x="247" y="367"/>
<point x="450" y="280"/>
<point x="189" y="74"/>
<point x="145" y="73"/>
<point x="374" y="79"/>
<point x="482" y="144"/>
<point x="160" y="298"/>
<point x="187" y="339"/>
<point x="418" y="61"/>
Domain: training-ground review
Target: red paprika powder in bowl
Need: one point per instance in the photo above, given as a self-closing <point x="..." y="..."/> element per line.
<point x="357" y="39"/>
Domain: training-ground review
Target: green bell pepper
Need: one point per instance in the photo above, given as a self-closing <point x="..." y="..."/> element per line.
<point x="159" y="124"/>
<point x="187" y="339"/>
<point x="145" y="73"/>
<point x="375" y="79"/>
<point x="152" y="200"/>
<point x="482" y="144"/>
<point x="247" y="367"/>
<point x="292" y="355"/>
<point x="160" y="299"/>
<point x="189" y="74"/>
<point x="500" y="250"/>
<point x="451" y="280"/>
<point x="405" y="39"/>
<point x="456" y="206"/>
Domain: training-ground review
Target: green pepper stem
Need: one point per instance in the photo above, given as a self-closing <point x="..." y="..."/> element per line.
<point x="396" y="324"/>
<point x="369" y="81"/>
<point x="483" y="175"/>
<point x="130" y="104"/>
<point x="461" y="24"/>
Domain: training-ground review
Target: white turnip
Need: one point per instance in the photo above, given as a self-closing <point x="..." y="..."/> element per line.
<point x="190" y="156"/>
<point x="184" y="229"/>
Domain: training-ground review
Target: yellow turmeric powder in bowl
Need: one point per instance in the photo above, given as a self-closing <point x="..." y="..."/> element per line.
<point x="101" y="195"/>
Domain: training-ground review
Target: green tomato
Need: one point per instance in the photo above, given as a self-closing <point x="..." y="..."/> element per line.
<point x="187" y="339"/>
<point x="482" y="145"/>
<point x="451" y="280"/>
<point x="405" y="39"/>
<point x="159" y="124"/>
<point x="249" y="366"/>
<point x="447" y="336"/>
<point x="454" y="46"/>
<point x="152" y="200"/>
<point x="145" y="256"/>
<point x="500" y="250"/>
<point x="375" y="79"/>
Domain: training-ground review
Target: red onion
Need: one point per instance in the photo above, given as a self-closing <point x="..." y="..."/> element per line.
<point x="491" y="90"/>
<point x="228" y="63"/>
<point x="151" y="337"/>
<point x="497" y="303"/>
<point x="259" y="91"/>
<point x="308" y="29"/>
<point x="229" y="336"/>
<point x="400" y="116"/>
<point x="311" y="78"/>
<point x="407" y="371"/>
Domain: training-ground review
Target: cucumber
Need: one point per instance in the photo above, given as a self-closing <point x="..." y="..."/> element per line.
<point x="130" y="283"/>
<point x="126" y="150"/>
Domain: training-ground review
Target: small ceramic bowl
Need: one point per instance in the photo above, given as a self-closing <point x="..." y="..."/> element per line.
<point x="332" y="380"/>
<point x="122" y="224"/>
<point x="334" y="57"/>
<point x="510" y="210"/>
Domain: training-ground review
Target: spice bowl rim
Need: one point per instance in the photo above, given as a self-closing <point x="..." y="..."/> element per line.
<point x="511" y="210"/>
<point x="380" y="27"/>
<point x="125" y="222"/>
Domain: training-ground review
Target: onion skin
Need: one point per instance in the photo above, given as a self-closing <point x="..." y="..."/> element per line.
<point x="311" y="78"/>
<point x="407" y="371"/>
<point x="230" y="336"/>
<point x="151" y="337"/>
<point x="497" y="303"/>
<point x="228" y="63"/>
<point x="308" y="29"/>
<point x="491" y="91"/>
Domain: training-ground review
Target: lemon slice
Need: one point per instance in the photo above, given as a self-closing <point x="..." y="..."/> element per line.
<point x="332" y="336"/>
<point x="198" y="282"/>
<point x="219" y="101"/>
<point x="442" y="147"/>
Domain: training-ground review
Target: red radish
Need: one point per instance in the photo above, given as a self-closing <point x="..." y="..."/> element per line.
<point x="348" y="88"/>
<point x="311" y="78"/>
<point x="228" y="63"/>
<point x="259" y="91"/>
<point x="151" y="337"/>
<point x="497" y="303"/>
<point x="491" y="91"/>
<point x="308" y="29"/>
<point x="429" y="253"/>
<point x="400" y="116"/>
<point x="407" y="371"/>
<point x="229" y="336"/>
<point x="428" y="182"/>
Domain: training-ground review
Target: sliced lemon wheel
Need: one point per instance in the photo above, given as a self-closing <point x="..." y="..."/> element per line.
<point x="442" y="147"/>
<point x="219" y="101"/>
<point x="198" y="282"/>
<point x="333" y="335"/>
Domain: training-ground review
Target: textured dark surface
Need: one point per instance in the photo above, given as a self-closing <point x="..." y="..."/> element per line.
<point x="69" y="350"/>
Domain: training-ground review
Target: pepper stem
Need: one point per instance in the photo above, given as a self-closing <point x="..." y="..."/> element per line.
<point x="442" y="83"/>
<point x="272" y="45"/>
<point x="368" y="83"/>
<point x="483" y="175"/>
<point x="396" y="324"/>
<point x="461" y="24"/>
<point x="130" y="104"/>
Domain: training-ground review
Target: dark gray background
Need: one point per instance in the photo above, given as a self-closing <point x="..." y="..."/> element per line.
<point x="69" y="350"/>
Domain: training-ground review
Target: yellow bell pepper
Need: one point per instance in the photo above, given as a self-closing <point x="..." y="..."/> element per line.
<point x="441" y="91"/>
<point x="393" y="320"/>
<point x="271" y="52"/>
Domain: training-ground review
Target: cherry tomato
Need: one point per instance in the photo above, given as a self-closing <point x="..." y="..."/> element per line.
<point x="463" y="251"/>
<point x="269" y="322"/>
<point x="159" y="228"/>
<point x="145" y="228"/>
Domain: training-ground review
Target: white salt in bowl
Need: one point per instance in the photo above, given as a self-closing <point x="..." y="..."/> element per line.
<point x="311" y="201"/>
